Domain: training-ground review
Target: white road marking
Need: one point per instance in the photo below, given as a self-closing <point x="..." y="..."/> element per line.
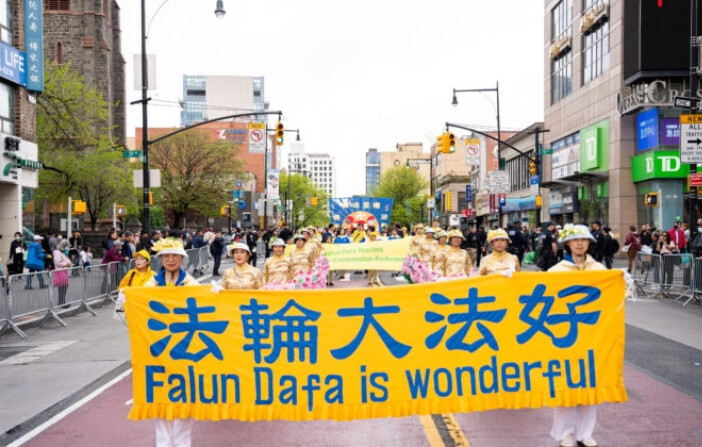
<point x="32" y="434"/>
<point x="33" y="354"/>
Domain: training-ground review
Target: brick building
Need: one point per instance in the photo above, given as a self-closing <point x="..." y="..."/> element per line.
<point x="87" y="33"/>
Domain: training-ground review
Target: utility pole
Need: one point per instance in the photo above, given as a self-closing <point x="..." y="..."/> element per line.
<point x="539" y="169"/>
<point x="693" y="106"/>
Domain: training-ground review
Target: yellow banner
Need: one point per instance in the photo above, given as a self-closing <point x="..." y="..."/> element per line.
<point x="536" y="339"/>
<point x="381" y="255"/>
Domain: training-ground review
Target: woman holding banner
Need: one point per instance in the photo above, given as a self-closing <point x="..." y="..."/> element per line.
<point x="175" y="432"/>
<point x="300" y="259"/>
<point x="438" y="261"/>
<point x="417" y="240"/>
<point x="499" y="261"/>
<point x="574" y="425"/>
<point x="458" y="263"/>
<point x="276" y="270"/>
<point x="426" y="250"/>
<point x="242" y="275"/>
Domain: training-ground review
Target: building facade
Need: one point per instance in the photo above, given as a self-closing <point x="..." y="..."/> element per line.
<point x="372" y="170"/>
<point x="209" y="97"/>
<point x="21" y="79"/>
<point x="86" y="34"/>
<point x="611" y="77"/>
<point x="318" y="167"/>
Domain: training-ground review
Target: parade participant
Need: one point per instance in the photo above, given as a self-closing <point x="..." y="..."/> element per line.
<point x="499" y="261"/>
<point x="438" y="261"/>
<point x="373" y="274"/>
<point x="426" y="250"/>
<point x="458" y="263"/>
<point x="299" y="256"/>
<point x="276" y="270"/>
<point x="358" y="235"/>
<point x="313" y="246"/>
<point x="242" y="275"/>
<point x="417" y="240"/>
<point x="574" y="425"/>
<point x="175" y="432"/>
<point x="140" y="274"/>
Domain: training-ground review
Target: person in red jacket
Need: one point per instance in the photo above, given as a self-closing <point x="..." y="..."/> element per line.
<point x="677" y="236"/>
<point x="633" y="241"/>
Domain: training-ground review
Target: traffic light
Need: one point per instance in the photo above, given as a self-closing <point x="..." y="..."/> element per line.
<point x="440" y="144"/>
<point x="78" y="207"/>
<point x="532" y="167"/>
<point x="314" y="201"/>
<point x="538" y="201"/>
<point x="451" y="142"/>
<point x="224" y="211"/>
<point x="279" y="133"/>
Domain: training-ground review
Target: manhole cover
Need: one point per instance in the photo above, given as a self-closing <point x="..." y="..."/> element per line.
<point x="9" y="351"/>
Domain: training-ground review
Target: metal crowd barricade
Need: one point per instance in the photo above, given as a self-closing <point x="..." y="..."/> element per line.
<point x="97" y="283"/>
<point x="676" y="275"/>
<point x="204" y="259"/>
<point x="29" y="294"/>
<point x="4" y="306"/>
<point x="67" y="289"/>
<point x="193" y="260"/>
<point x="646" y="273"/>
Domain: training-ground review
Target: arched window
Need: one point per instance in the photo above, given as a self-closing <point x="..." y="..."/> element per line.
<point x="58" y="56"/>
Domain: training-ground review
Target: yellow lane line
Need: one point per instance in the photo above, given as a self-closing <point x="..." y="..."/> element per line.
<point x="454" y="430"/>
<point x="431" y="431"/>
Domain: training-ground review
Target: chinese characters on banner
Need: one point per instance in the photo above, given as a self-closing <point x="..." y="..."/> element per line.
<point x="34" y="46"/>
<point x="533" y="340"/>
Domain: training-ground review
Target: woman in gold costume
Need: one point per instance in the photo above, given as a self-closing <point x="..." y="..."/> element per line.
<point x="499" y="261"/>
<point x="276" y="270"/>
<point x="440" y="254"/>
<point x="458" y="263"/>
<point x="242" y="275"/>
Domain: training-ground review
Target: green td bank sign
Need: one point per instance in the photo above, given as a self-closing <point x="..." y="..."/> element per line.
<point x="658" y="164"/>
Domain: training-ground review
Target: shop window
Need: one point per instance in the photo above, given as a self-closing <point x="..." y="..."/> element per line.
<point x="7" y="107"/>
<point x="6" y="21"/>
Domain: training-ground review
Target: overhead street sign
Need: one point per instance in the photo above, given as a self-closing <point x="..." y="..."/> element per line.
<point x="686" y="103"/>
<point x="691" y="138"/>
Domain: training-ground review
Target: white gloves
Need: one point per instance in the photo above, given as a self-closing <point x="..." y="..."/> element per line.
<point x="121" y="299"/>
<point x="507" y="273"/>
<point x="217" y="286"/>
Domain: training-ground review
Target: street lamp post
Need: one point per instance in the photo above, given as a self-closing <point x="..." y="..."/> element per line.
<point x="454" y="102"/>
<point x="219" y="12"/>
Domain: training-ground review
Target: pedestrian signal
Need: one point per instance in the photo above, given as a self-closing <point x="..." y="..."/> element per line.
<point x="224" y="211"/>
<point x="78" y="207"/>
<point x="651" y="199"/>
<point x="120" y="210"/>
<point x="440" y="144"/>
<point x="279" y="133"/>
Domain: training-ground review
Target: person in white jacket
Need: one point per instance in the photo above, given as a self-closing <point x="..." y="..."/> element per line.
<point x="573" y="425"/>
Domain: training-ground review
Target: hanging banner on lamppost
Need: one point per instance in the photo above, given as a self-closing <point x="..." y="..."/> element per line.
<point x="273" y="191"/>
<point x="257" y="138"/>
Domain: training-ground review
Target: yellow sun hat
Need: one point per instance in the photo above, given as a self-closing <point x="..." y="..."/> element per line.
<point x="169" y="245"/>
<point x="497" y="234"/>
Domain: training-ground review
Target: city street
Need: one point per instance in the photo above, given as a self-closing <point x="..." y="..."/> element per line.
<point x="71" y="387"/>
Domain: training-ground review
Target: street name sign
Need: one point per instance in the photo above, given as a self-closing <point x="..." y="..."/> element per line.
<point x="686" y="103"/>
<point x="691" y="138"/>
<point x="132" y="154"/>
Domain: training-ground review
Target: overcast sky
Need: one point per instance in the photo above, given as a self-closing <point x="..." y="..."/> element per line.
<point x="351" y="75"/>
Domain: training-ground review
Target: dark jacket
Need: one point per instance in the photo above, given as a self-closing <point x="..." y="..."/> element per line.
<point x="217" y="246"/>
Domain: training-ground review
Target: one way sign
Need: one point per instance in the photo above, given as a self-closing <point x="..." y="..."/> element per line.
<point x="691" y="138"/>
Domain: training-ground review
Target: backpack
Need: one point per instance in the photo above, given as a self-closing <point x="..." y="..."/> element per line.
<point x="614" y="246"/>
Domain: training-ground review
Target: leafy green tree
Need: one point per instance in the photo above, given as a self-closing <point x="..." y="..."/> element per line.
<point x="198" y="173"/>
<point x="302" y="189"/>
<point x="75" y="145"/>
<point x="403" y="185"/>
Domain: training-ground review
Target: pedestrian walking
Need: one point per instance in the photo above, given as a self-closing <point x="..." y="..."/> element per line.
<point x="633" y="244"/>
<point x="15" y="266"/>
<point x="35" y="261"/>
<point x="574" y="425"/>
<point x="216" y="249"/>
<point x="61" y="262"/>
